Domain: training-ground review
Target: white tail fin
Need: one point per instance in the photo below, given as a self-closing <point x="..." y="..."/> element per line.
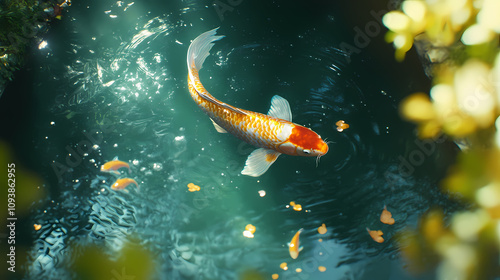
<point x="200" y="48"/>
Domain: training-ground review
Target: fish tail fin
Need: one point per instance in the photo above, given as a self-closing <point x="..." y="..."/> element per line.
<point x="200" y="48"/>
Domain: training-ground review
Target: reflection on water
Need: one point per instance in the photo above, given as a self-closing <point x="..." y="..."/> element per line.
<point x="120" y="91"/>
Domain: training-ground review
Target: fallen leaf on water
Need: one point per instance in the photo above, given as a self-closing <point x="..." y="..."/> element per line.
<point x="297" y="207"/>
<point x="322" y="229"/>
<point x="386" y="217"/>
<point x="341" y="125"/>
<point x="248" y="234"/>
<point x="376" y="235"/>
<point x="193" y="188"/>
<point x="251" y="228"/>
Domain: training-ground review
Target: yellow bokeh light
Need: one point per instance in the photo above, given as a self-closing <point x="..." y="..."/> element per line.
<point x="396" y="21"/>
<point x="477" y="34"/>
<point x="417" y="107"/>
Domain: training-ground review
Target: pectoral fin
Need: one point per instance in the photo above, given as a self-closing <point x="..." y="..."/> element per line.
<point x="259" y="161"/>
<point x="280" y="108"/>
<point x="218" y="127"/>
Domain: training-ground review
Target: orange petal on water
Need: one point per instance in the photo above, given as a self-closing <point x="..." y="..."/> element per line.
<point x="251" y="228"/>
<point x="386" y="217"/>
<point x="248" y="234"/>
<point x="275" y="276"/>
<point x="341" y="125"/>
<point x="376" y="235"/>
<point x="193" y="188"/>
<point x="284" y="266"/>
<point x="321" y="268"/>
<point x="322" y="229"/>
<point x="37" y="226"/>
<point x="297" y="207"/>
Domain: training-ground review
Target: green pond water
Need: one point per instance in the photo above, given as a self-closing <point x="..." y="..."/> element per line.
<point x="112" y="82"/>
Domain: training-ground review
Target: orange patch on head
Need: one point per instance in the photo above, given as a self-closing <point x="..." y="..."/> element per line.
<point x="306" y="138"/>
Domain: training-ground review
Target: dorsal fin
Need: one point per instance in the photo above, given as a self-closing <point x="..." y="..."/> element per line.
<point x="213" y="100"/>
<point x="280" y="108"/>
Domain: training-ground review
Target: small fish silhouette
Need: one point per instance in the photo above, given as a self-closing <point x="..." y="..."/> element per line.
<point x="114" y="165"/>
<point x="122" y="183"/>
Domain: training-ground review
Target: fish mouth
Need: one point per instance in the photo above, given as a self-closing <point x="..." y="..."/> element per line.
<point x="321" y="152"/>
<point x="323" y="149"/>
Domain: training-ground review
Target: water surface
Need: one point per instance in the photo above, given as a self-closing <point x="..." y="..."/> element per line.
<point x="112" y="82"/>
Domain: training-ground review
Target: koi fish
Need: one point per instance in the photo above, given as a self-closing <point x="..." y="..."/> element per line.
<point x="274" y="133"/>
<point x="293" y="246"/>
<point x="122" y="183"/>
<point x="114" y="165"/>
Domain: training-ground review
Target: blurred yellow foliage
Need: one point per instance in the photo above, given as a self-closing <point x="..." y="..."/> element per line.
<point x="132" y="261"/>
<point x="460" y="38"/>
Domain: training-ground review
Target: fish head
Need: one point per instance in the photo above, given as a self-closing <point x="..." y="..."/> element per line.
<point x="304" y="142"/>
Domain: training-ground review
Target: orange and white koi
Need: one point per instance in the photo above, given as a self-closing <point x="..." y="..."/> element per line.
<point x="274" y="133"/>
<point x="293" y="246"/>
<point x="122" y="183"/>
<point x="114" y="165"/>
